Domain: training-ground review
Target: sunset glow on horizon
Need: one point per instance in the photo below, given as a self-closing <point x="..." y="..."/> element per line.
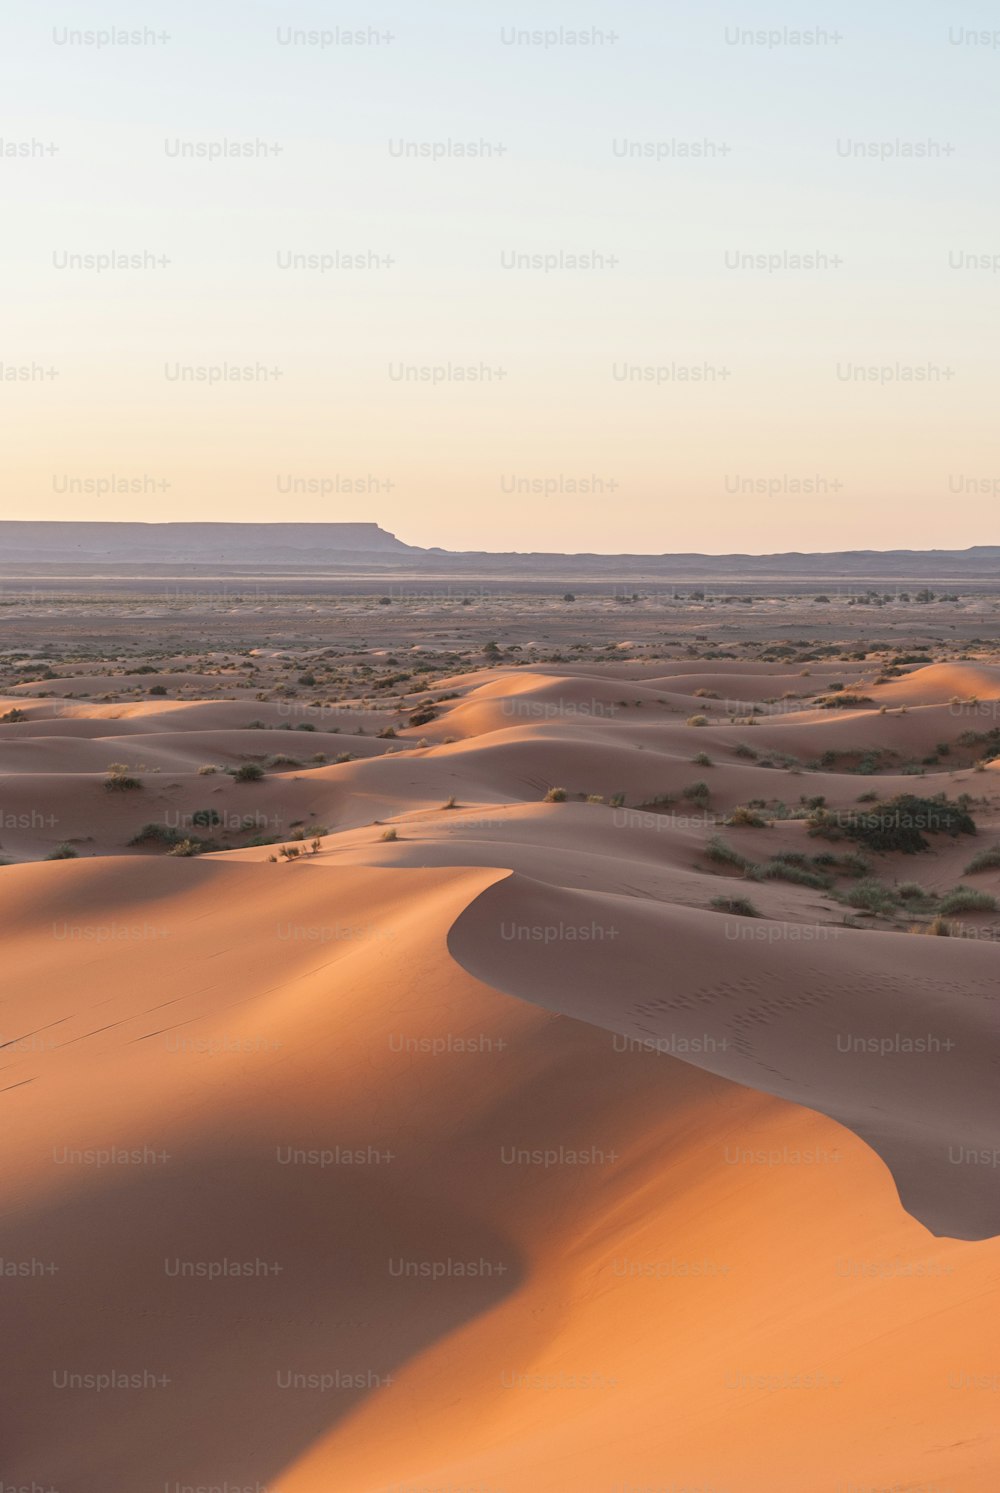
<point x="594" y="281"/>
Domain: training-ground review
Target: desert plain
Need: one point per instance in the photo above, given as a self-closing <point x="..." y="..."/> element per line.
<point x="499" y="1040"/>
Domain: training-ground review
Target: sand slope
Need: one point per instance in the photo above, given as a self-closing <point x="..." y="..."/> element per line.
<point x="605" y="1209"/>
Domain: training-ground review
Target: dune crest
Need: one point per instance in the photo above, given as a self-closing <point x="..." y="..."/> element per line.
<point x="471" y="1145"/>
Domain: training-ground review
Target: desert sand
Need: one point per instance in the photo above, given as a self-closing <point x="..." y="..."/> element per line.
<point x="485" y="1127"/>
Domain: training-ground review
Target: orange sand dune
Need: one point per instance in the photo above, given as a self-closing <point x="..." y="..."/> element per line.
<point x="478" y="1157"/>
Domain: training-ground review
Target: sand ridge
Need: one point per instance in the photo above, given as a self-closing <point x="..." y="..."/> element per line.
<point x="590" y="1193"/>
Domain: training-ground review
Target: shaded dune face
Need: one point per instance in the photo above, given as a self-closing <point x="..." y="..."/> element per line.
<point x="492" y="1156"/>
<point x="785" y="1012"/>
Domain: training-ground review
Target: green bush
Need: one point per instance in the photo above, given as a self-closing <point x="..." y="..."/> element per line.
<point x="785" y="870"/>
<point x="119" y="780"/>
<point x="62" y="852"/>
<point x="720" y="851"/>
<point x="899" y="823"/>
<point x="740" y="906"/>
<point x="967" y="899"/>
<point x="248" y="772"/>
<point x="843" y="701"/>
<point x="155" y="834"/>
<point x="750" y="818"/>
<point x="989" y="741"/>
<point x="871" y="895"/>
<point x="986" y="860"/>
<point x="698" y="792"/>
<point x="423" y="716"/>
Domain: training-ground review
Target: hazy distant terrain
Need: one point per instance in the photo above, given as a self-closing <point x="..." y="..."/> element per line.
<point x="53" y="552"/>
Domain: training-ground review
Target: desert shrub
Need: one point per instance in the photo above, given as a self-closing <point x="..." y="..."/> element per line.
<point x="12" y="717"/>
<point x="206" y="817"/>
<point x="451" y="803"/>
<point x="743" y="750"/>
<point x="207" y="770"/>
<point x="118" y="779"/>
<point x="62" y="852"/>
<point x="555" y="796"/>
<point x="989" y="741"/>
<point x="186" y="847"/>
<point x="595" y="798"/>
<point x="155" y="834"/>
<point x="871" y="895"/>
<point x="702" y="760"/>
<point x="617" y="800"/>
<point x="423" y="716"/>
<point x="940" y="928"/>
<point x="720" y="851"/>
<point x="897" y="824"/>
<point x="843" y="701"/>
<point x="305" y="726"/>
<point x="697" y="720"/>
<point x="739" y="906"/>
<point x="744" y="815"/>
<point x="387" y="733"/>
<point x="157" y="689"/>
<point x="390" y="834"/>
<point x="281" y="759"/>
<point x="986" y="860"/>
<point x="967" y="899"/>
<point x="248" y="772"/>
<point x="781" y="869"/>
<point x="698" y="792"/>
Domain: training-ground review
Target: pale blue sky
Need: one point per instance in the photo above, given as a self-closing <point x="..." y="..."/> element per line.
<point x="789" y="406"/>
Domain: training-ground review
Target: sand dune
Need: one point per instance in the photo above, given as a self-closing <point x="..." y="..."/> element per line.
<point x="474" y="1148"/>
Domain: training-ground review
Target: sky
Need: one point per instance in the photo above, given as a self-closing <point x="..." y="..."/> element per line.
<point x="718" y="278"/>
